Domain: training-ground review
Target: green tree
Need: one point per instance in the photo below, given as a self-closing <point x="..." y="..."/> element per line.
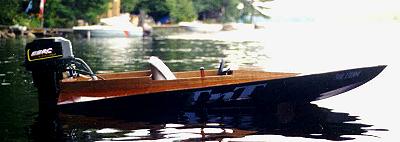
<point x="64" y="13"/>
<point x="208" y="8"/>
<point x="229" y="11"/>
<point x="226" y="10"/>
<point x="56" y="14"/>
<point x="222" y="10"/>
<point x="12" y="12"/>
<point x="9" y="9"/>
<point x="154" y="8"/>
<point x="129" y="5"/>
<point x="88" y="10"/>
<point x="181" y="10"/>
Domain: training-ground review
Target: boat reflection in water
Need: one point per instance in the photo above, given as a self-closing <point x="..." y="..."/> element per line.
<point x="306" y="121"/>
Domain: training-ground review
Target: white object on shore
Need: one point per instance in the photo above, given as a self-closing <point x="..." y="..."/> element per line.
<point x="118" y="26"/>
<point x="201" y="27"/>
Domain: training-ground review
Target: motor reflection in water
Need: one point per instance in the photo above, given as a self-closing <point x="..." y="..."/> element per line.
<point x="307" y="121"/>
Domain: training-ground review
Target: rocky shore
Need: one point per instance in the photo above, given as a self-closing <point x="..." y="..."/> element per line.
<point x="9" y="32"/>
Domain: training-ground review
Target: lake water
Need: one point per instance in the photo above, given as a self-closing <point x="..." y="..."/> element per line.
<point x="367" y="113"/>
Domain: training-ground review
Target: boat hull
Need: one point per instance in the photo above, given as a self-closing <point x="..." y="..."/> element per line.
<point x="298" y="89"/>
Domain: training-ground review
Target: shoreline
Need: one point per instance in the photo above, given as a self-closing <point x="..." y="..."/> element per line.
<point x="228" y="33"/>
<point x="16" y="31"/>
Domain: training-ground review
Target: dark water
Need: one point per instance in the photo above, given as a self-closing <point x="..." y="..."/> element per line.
<point x="18" y="98"/>
<point x="351" y="117"/>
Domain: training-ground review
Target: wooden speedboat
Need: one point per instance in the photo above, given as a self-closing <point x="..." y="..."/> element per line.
<point x="193" y="89"/>
<point x="57" y="75"/>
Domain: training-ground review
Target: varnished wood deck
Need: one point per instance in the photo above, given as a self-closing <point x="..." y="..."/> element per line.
<point x="140" y="82"/>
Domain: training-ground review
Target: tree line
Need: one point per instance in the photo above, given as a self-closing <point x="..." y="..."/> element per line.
<point x="57" y="13"/>
<point x="189" y="10"/>
<point x="65" y="13"/>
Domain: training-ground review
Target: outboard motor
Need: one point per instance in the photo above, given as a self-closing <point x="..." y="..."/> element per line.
<point x="50" y="60"/>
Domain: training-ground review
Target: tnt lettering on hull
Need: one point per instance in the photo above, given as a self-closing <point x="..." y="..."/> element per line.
<point x="227" y="96"/>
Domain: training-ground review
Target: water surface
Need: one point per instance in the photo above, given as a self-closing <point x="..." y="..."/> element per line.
<point x="364" y="114"/>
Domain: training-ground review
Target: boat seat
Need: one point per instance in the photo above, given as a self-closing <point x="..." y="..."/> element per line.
<point x="159" y="70"/>
<point x="222" y="70"/>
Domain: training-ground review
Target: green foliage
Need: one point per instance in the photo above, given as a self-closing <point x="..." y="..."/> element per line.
<point x="226" y="10"/>
<point x="221" y="10"/>
<point x="57" y="15"/>
<point x="129" y="5"/>
<point x="29" y="21"/>
<point x="12" y="12"/>
<point x="64" y="13"/>
<point x="155" y="8"/>
<point x="88" y="10"/>
<point x="181" y="10"/>
<point x="230" y="13"/>
<point x="207" y="5"/>
<point x="8" y="10"/>
<point x="208" y="8"/>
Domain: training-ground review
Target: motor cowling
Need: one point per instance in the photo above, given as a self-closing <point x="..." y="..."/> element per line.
<point x="53" y="53"/>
